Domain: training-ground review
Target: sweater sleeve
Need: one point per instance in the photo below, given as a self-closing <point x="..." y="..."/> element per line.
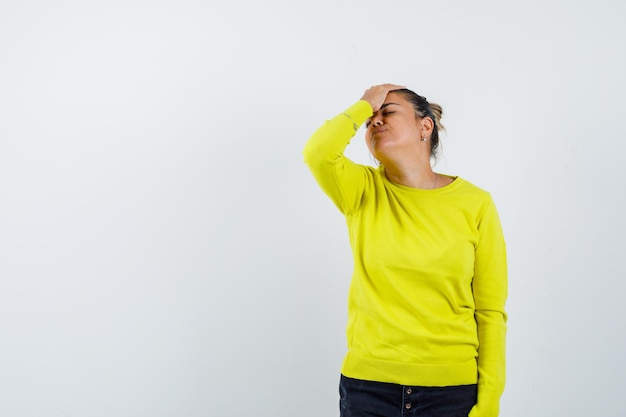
<point x="340" y="178"/>
<point x="490" y="291"/>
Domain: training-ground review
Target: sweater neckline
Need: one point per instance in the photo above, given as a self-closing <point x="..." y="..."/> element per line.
<point x="456" y="180"/>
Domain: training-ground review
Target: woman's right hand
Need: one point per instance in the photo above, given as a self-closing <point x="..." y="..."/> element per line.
<point x="376" y="94"/>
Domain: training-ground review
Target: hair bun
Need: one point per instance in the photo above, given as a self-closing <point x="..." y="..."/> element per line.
<point x="437" y="111"/>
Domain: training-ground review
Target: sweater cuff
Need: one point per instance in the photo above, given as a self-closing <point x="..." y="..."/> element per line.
<point x="488" y="404"/>
<point x="359" y="112"/>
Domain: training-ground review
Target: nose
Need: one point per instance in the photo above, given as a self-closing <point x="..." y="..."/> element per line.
<point x="377" y="120"/>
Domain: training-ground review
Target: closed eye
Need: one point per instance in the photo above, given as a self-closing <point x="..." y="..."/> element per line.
<point x="368" y="122"/>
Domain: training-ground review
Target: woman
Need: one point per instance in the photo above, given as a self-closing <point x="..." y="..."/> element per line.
<point x="426" y="320"/>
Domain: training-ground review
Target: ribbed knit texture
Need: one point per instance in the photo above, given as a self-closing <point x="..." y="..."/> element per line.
<point x="426" y="300"/>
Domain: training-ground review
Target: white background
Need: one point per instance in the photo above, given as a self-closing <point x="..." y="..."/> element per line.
<point x="165" y="252"/>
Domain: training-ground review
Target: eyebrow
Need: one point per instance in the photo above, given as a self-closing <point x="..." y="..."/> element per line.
<point x="382" y="107"/>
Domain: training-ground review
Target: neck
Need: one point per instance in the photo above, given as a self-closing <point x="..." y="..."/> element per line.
<point x="414" y="176"/>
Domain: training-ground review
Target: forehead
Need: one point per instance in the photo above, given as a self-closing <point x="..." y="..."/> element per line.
<point x="396" y="98"/>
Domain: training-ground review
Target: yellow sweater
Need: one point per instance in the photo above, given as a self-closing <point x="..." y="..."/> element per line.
<point x="426" y="300"/>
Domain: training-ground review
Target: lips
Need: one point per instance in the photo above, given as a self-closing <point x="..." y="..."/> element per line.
<point x="377" y="131"/>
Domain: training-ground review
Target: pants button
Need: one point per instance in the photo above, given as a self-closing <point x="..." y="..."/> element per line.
<point x="407" y="406"/>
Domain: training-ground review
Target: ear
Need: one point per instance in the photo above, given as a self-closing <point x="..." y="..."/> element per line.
<point x="426" y="126"/>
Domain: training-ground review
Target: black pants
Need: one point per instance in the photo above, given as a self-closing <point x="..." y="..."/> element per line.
<point x="380" y="399"/>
